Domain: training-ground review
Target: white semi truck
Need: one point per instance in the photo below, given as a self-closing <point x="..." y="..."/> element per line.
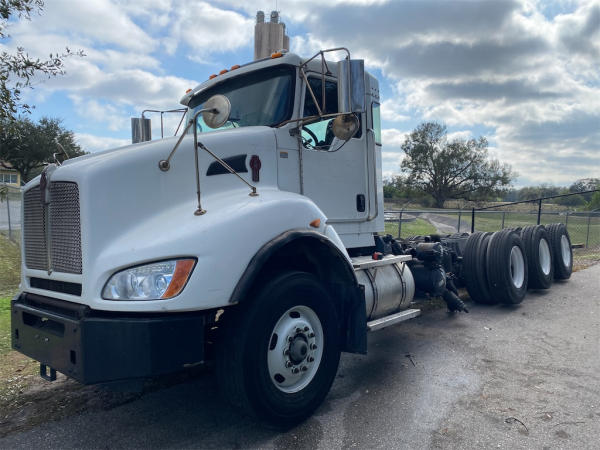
<point x="250" y="239"/>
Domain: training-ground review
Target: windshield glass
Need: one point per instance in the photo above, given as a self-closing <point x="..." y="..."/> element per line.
<point x="264" y="97"/>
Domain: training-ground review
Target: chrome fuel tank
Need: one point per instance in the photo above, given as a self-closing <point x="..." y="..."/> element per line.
<point x="389" y="288"/>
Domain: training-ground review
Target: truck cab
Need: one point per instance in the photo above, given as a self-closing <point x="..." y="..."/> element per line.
<point x="242" y="239"/>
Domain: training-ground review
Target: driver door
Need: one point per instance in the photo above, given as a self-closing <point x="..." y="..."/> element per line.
<point x="335" y="174"/>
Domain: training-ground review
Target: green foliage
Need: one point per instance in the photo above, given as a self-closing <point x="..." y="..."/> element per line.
<point x="457" y="169"/>
<point x="594" y="203"/>
<point x="18" y="69"/>
<point x="27" y="146"/>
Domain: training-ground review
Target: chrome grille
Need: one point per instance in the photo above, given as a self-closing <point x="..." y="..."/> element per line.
<point x="65" y="229"/>
<point x="64" y="225"/>
<point x="34" y="230"/>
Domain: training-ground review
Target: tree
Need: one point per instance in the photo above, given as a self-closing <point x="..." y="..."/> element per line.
<point x="457" y="169"/>
<point x="27" y="146"/>
<point x="18" y="69"/>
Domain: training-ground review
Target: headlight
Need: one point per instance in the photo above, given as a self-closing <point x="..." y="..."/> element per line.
<point x="156" y="281"/>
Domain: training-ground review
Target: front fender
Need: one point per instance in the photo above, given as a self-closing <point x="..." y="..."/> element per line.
<point x="224" y="241"/>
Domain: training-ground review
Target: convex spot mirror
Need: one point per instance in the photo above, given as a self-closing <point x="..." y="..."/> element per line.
<point x="216" y="111"/>
<point x="345" y="126"/>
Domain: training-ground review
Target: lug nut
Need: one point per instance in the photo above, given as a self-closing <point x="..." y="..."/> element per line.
<point x="290" y="339"/>
<point x="286" y="351"/>
<point x="295" y="370"/>
<point x="313" y="346"/>
<point x="288" y="364"/>
<point x="298" y="330"/>
<point x="306" y="328"/>
<point x="311" y="359"/>
<point x="311" y="335"/>
<point x="304" y="368"/>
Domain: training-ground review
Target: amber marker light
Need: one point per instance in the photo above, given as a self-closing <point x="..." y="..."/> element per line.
<point x="276" y="55"/>
<point x="223" y="71"/>
<point x="237" y="66"/>
<point x="188" y="91"/>
<point x="214" y="75"/>
<point x="316" y="223"/>
<point x="183" y="269"/>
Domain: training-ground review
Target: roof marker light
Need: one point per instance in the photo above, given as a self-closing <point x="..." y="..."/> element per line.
<point x="188" y="91"/>
<point x="223" y="71"/>
<point x="316" y="223"/>
<point x="276" y="55"/>
<point x="237" y="66"/>
<point x="212" y="76"/>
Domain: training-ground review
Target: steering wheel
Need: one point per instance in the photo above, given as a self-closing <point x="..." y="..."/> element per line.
<point x="312" y="135"/>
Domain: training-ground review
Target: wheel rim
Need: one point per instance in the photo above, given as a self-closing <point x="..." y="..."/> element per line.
<point x="295" y="349"/>
<point x="517" y="267"/>
<point x="565" y="250"/>
<point x="544" y="256"/>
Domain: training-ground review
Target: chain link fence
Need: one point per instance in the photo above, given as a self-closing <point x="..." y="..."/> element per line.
<point x="583" y="226"/>
<point x="10" y="239"/>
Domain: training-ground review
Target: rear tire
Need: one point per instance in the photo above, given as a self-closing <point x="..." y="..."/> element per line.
<point x="507" y="267"/>
<point x="539" y="256"/>
<point x="475" y="274"/>
<point x="560" y="242"/>
<point x="278" y="355"/>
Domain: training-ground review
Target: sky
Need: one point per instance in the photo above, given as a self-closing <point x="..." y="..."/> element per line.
<point x="525" y="74"/>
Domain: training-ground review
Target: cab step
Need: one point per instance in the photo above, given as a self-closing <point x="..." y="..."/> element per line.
<point x="392" y="319"/>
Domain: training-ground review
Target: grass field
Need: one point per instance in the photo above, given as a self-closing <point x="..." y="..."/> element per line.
<point x="418" y="226"/>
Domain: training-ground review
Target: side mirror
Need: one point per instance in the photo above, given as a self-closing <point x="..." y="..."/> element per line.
<point x="141" y="130"/>
<point x="351" y="86"/>
<point x="345" y="126"/>
<point x="216" y="111"/>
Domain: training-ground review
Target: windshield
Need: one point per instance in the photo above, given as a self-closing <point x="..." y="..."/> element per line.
<point x="264" y="97"/>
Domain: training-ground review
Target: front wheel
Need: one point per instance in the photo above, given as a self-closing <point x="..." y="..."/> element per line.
<point x="279" y="354"/>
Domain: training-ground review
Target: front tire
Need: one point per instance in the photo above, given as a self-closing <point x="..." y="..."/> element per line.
<point x="278" y="355"/>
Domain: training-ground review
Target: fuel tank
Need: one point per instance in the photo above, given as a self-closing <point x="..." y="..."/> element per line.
<point x="388" y="288"/>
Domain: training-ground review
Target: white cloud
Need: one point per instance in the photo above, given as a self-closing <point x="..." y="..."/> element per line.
<point x="93" y="143"/>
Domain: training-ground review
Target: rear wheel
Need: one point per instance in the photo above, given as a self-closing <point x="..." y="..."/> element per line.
<point x="560" y="242"/>
<point x="475" y="273"/>
<point x="539" y="256"/>
<point x="279" y="355"/>
<point x="507" y="267"/>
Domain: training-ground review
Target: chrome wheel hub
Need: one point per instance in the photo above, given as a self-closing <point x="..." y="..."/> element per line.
<point x="565" y="250"/>
<point x="544" y="256"/>
<point x="517" y="267"/>
<point x="295" y="349"/>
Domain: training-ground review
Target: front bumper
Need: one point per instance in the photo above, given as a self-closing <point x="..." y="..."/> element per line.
<point x="96" y="346"/>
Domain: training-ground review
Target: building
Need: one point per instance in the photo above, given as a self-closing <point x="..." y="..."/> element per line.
<point x="269" y="37"/>
<point x="8" y="175"/>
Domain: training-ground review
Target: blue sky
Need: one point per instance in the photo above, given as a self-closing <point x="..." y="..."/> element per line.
<point x="525" y="74"/>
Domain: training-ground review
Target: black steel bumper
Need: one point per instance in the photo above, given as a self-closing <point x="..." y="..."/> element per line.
<point x="93" y="346"/>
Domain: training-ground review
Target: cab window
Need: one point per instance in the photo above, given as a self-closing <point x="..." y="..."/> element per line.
<point x="318" y="134"/>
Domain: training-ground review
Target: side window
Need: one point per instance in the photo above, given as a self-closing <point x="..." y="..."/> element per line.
<point x="376" y="122"/>
<point x="318" y="134"/>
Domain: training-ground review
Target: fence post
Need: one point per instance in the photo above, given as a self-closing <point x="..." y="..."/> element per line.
<point x="503" y="215"/>
<point x="459" y="215"/>
<point x="8" y="210"/>
<point x="587" y="236"/>
<point x="400" y="224"/>
<point x="567" y="220"/>
<point x="539" y="211"/>
<point x="473" y="220"/>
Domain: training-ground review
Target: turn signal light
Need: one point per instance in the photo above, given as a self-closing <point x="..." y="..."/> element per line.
<point x="316" y="223"/>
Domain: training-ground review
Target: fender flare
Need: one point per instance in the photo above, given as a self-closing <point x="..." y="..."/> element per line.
<point x="336" y="273"/>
